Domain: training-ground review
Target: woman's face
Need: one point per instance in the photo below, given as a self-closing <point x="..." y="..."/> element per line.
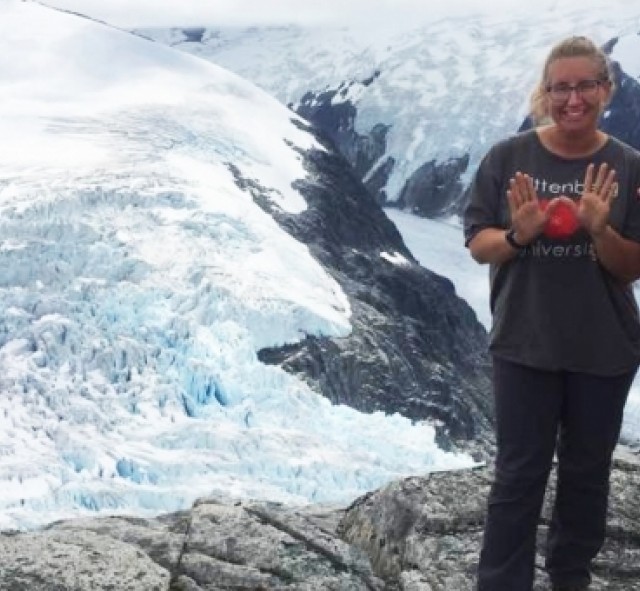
<point x="576" y="94"/>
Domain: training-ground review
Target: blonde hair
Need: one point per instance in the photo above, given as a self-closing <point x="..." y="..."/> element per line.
<point x="577" y="46"/>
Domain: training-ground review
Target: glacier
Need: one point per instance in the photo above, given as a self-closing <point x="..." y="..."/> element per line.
<point x="139" y="281"/>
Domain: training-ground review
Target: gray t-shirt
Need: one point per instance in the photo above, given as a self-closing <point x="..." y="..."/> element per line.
<point x="554" y="306"/>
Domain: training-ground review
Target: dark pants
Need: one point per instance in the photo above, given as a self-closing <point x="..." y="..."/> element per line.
<point x="536" y="409"/>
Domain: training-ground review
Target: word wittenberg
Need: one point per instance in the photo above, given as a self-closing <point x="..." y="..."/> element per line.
<point x="576" y="188"/>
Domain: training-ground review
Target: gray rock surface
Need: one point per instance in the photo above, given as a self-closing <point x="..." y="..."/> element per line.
<point x="215" y="546"/>
<point x="424" y="533"/>
<point x="416" y="534"/>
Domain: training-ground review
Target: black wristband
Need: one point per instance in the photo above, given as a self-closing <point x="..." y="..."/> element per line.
<point x="511" y="240"/>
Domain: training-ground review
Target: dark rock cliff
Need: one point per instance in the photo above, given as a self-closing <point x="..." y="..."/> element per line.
<point x="416" y="348"/>
<point x="432" y="190"/>
<point x="334" y="114"/>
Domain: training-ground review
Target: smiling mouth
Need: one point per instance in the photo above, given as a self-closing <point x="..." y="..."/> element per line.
<point x="574" y="114"/>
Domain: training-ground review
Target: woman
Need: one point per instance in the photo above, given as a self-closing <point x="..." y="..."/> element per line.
<point x="555" y="213"/>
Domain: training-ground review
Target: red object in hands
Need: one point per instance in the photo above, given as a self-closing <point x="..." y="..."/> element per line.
<point x="563" y="221"/>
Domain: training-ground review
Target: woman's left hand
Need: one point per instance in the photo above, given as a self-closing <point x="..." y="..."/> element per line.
<point x="595" y="204"/>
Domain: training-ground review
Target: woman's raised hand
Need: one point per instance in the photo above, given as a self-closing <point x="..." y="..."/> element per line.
<point x="600" y="189"/>
<point x="527" y="218"/>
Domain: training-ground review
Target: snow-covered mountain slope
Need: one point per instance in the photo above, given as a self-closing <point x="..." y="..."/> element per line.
<point x="440" y="92"/>
<point x="139" y="280"/>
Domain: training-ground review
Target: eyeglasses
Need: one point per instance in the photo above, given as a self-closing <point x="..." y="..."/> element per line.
<point x="561" y="92"/>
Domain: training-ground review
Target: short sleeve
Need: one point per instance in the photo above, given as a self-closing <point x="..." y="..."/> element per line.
<point x="484" y="197"/>
<point x="631" y="225"/>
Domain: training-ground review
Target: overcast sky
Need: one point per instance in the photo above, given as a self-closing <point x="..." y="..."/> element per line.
<point x="135" y="13"/>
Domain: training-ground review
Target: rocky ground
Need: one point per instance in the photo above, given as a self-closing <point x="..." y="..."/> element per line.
<point x="417" y="534"/>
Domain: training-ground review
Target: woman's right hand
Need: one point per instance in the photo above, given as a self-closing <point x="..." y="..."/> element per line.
<point x="528" y="219"/>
